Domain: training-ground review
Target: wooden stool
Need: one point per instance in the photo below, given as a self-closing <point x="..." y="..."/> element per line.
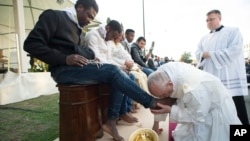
<point x="79" y="112"/>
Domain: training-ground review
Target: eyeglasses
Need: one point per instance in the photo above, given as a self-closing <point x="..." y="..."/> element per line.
<point x="210" y="20"/>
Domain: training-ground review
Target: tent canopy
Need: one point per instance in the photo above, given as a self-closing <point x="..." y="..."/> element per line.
<point x="32" y="10"/>
<point x="11" y="39"/>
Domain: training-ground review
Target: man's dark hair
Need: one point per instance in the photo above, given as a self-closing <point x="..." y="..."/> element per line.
<point x="166" y="59"/>
<point x="129" y="31"/>
<point x="87" y="4"/>
<point x="215" y="11"/>
<point x="115" y="25"/>
<point x="141" y="38"/>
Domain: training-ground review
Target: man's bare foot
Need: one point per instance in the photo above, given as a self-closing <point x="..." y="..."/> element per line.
<point x="166" y="101"/>
<point x="99" y="134"/>
<point x="133" y="110"/>
<point x="129" y="118"/>
<point x="137" y="107"/>
<point x="110" y="128"/>
<point x="158" y="131"/>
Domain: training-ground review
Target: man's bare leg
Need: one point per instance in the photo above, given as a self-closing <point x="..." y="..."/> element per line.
<point x="110" y="128"/>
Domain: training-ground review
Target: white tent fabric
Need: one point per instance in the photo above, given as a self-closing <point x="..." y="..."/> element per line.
<point x="32" y="10"/>
<point x="17" y="17"/>
<point x="16" y="87"/>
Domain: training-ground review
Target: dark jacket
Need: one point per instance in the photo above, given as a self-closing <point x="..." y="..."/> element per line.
<point x="151" y="64"/>
<point x="53" y="38"/>
<point x="138" y="55"/>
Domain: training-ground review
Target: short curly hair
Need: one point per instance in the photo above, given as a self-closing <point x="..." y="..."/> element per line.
<point x="87" y="4"/>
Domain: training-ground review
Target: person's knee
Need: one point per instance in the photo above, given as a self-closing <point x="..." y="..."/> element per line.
<point x="114" y="68"/>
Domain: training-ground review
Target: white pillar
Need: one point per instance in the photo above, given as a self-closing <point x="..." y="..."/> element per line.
<point x="20" y="30"/>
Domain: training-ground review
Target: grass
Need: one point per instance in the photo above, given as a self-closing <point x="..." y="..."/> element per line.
<point x="31" y="120"/>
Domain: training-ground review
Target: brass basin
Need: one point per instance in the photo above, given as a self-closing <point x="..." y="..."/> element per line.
<point x="144" y="134"/>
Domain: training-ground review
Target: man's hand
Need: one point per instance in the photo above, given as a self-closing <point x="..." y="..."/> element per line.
<point x="206" y="55"/>
<point x="165" y="101"/>
<point x="139" y="67"/>
<point x="76" y="59"/>
<point x="129" y="63"/>
<point x="125" y="69"/>
<point x="163" y="109"/>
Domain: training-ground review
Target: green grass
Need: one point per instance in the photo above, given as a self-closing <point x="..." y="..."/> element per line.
<point x="31" y="120"/>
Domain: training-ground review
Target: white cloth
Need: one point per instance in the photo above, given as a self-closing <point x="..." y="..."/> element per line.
<point x="18" y="87"/>
<point x="204" y="107"/>
<point x="127" y="45"/>
<point x="227" y="59"/>
<point x="95" y="39"/>
<point x="120" y="55"/>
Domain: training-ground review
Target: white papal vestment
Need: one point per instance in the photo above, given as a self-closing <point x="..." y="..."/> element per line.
<point x="204" y="110"/>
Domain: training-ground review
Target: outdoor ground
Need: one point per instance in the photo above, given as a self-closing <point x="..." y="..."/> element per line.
<point x="38" y="120"/>
<point x="30" y="120"/>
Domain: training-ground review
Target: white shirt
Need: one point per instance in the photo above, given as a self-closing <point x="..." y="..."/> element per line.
<point x="95" y="39"/>
<point x="118" y="53"/>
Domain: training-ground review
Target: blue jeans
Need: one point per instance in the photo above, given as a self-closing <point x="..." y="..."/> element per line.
<point x="116" y="105"/>
<point x="127" y="101"/>
<point x="147" y="71"/>
<point x="105" y="73"/>
<point x="119" y="103"/>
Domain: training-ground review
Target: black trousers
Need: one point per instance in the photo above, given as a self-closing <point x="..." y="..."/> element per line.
<point x="241" y="109"/>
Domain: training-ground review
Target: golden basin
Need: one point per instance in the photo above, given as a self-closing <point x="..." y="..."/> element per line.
<point x="144" y="134"/>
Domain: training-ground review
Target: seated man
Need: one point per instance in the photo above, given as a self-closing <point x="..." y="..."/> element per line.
<point x="138" y="55"/>
<point x="55" y="40"/>
<point x="128" y="39"/>
<point x="96" y="40"/>
<point x="151" y="63"/>
<point x="123" y="58"/>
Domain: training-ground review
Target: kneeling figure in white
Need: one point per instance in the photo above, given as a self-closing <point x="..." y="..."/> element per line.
<point x="204" y="109"/>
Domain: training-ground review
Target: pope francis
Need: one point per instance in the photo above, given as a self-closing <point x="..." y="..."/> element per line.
<point x="204" y="109"/>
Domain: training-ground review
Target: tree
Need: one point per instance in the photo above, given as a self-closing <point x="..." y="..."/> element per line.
<point x="186" y="57"/>
<point x="108" y="20"/>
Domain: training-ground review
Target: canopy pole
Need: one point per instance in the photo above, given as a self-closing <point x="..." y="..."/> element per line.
<point x="20" y="30"/>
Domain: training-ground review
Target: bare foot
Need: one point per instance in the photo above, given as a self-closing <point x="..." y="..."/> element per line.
<point x="129" y="118"/>
<point x="110" y="128"/>
<point x="166" y="101"/>
<point x="133" y="110"/>
<point x="99" y="134"/>
<point x="137" y="106"/>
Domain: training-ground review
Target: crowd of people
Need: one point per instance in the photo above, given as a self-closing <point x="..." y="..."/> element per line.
<point x="203" y="102"/>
